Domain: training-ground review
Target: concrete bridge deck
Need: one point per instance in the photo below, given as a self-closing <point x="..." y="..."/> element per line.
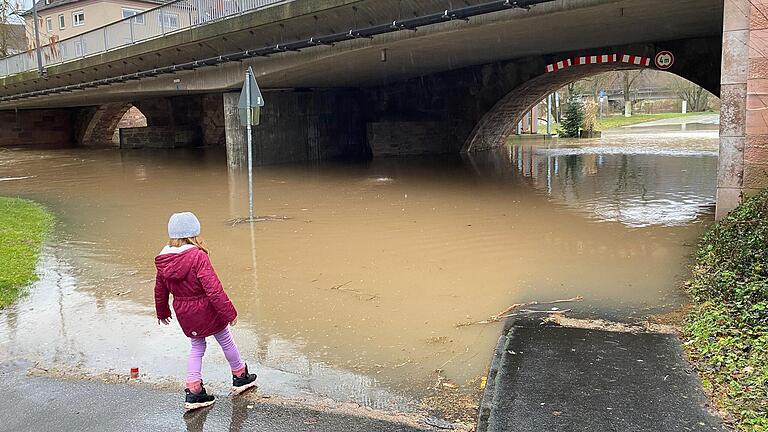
<point x="558" y="26"/>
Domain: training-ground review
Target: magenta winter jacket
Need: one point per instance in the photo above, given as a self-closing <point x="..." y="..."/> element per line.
<point x="202" y="307"/>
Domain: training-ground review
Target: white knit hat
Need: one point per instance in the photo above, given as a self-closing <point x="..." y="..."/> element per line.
<point x="183" y="225"/>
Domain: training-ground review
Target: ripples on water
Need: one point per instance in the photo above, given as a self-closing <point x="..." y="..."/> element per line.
<point x="357" y="296"/>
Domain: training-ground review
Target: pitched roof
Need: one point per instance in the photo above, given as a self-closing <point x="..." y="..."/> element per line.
<point x="50" y="4"/>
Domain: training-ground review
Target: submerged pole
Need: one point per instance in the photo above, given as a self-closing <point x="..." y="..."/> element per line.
<point x="549" y="114"/>
<point x="249" y="120"/>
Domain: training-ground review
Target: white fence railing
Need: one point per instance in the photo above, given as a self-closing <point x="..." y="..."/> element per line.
<point x="168" y="18"/>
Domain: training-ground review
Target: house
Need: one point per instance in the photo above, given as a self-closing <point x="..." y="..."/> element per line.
<point x="62" y="19"/>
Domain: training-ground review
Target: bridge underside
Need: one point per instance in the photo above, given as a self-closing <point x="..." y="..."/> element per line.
<point x="402" y="93"/>
<point x="411" y="93"/>
<point x="466" y="109"/>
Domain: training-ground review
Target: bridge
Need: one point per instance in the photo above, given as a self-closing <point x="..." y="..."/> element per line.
<point x="374" y="78"/>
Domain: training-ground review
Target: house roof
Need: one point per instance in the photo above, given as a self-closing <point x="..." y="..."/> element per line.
<point x="42" y="5"/>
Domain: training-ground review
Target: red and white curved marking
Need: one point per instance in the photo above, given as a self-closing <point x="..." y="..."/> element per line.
<point x="636" y="60"/>
<point x="596" y="59"/>
<point x="608" y="58"/>
<point x="559" y="65"/>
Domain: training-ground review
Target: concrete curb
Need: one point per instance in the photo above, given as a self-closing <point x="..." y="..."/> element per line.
<point x="490" y="395"/>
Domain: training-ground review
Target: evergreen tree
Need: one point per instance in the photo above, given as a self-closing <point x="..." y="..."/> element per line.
<point x="573" y="120"/>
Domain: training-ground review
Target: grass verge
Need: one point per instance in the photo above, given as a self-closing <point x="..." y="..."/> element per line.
<point x="619" y="121"/>
<point x="24" y="226"/>
<point x="726" y="332"/>
<point x="615" y="121"/>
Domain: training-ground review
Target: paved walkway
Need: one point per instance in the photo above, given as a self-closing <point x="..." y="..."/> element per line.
<point x="708" y="118"/>
<point x="550" y="378"/>
<point x="46" y="404"/>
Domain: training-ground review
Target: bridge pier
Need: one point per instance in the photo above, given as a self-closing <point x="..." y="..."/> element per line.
<point x="744" y="95"/>
<point x="299" y="126"/>
<point x="37" y="128"/>
<point x="234" y="133"/>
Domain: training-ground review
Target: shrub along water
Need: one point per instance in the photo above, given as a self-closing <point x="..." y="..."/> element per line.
<point x="23" y="228"/>
<point x="727" y="330"/>
<point x="573" y="121"/>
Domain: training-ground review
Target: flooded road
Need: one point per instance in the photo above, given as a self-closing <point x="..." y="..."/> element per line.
<point x="356" y="296"/>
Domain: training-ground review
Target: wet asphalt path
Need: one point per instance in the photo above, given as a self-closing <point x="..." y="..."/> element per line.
<point x="47" y="404"/>
<point x="551" y="378"/>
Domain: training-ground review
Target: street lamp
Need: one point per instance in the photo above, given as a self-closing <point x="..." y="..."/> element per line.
<point x="40" y="69"/>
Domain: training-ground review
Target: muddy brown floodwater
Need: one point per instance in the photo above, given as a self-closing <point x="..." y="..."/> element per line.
<point x="357" y="296"/>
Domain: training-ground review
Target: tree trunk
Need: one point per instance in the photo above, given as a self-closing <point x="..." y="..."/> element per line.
<point x="627" y="95"/>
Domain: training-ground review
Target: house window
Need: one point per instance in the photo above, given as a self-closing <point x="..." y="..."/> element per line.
<point x="47" y="2"/>
<point x="136" y="13"/>
<point x="78" y="18"/>
<point x="61" y="22"/>
<point x="169" y="20"/>
<point x="48" y="24"/>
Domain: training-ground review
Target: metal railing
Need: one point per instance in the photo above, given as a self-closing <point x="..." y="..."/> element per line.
<point x="643" y="93"/>
<point x="169" y="18"/>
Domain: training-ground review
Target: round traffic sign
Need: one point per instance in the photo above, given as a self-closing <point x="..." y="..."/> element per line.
<point x="664" y="60"/>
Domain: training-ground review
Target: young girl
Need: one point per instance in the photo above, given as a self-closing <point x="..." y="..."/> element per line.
<point x="202" y="307"/>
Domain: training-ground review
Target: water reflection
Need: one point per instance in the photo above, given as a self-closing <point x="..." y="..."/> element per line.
<point x="103" y="334"/>
<point x="671" y="187"/>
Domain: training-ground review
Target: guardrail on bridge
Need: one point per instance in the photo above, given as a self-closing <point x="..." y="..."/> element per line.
<point x="169" y="18"/>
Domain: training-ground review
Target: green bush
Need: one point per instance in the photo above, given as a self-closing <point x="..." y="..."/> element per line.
<point x="573" y="120"/>
<point x="727" y="329"/>
<point x="732" y="262"/>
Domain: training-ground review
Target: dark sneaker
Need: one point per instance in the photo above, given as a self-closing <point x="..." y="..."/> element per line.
<point x="197" y="400"/>
<point x="243" y="382"/>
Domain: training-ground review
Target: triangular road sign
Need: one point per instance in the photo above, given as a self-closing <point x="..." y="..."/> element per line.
<point x="257" y="100"/>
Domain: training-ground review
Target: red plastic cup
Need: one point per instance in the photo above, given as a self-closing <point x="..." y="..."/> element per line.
<point x="134" y="372"/>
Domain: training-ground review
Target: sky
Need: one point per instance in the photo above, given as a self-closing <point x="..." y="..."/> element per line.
<point x="24" y="5"/>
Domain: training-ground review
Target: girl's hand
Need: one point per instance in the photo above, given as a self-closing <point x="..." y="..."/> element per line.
<point x="234" y="322"/>
<point x="164" y="321"/>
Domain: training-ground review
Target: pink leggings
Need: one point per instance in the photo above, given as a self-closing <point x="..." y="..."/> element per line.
<point x="195" y="363"/>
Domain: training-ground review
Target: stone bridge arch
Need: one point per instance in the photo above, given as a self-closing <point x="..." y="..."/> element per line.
<point x="697" y="60"/>
<point x="182" y="121"/>
<point x="97" y="125"/>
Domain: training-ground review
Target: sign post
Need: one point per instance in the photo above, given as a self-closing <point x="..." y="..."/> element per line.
<point x="602" y="99"/>
<point x="549" y="114"/>
<point x="249" y="106"/>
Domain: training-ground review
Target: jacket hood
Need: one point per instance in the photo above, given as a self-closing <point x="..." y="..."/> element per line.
<point x="176" y="266"/>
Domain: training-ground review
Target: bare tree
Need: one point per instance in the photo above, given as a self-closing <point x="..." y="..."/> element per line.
<point x="9" y="34"/>
<point x="695" y="95"/>
<point x="5" y="28"/>
<point x="599" y="82"/>
<point x="629" y="80"/>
